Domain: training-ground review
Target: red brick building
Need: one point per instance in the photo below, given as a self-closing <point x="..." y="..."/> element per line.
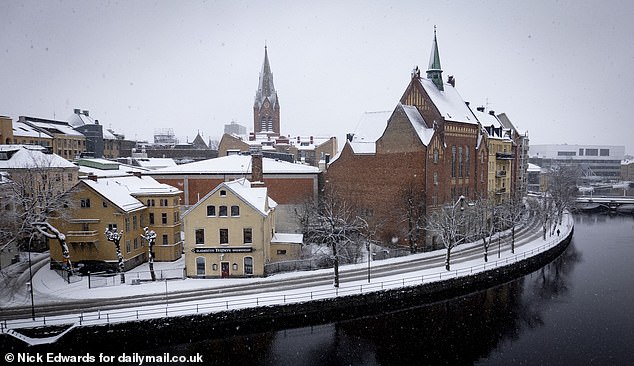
<point x="430" y="153"/>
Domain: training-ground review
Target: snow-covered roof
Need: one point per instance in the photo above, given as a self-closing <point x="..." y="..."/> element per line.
<point x="80" y="119"/>
<point x="371" y="126"/>
<point x="287" y="238"/>
<point x="23" y="157"/>
<point x="237" y="164"/>
<point x="56" y="127"/>
<point x="106" y="168"/>
<point x="24" y="130"/>
<point x="363" y="147"/>
<point x="487" y="120"/>
<point x="533" y="168"/>
<point x="121" y="191"/>
<point x="256" y="197"/>
<point x="156" y="163"/>
<point x="449" y="103"/>
<point x="416" y="119"/>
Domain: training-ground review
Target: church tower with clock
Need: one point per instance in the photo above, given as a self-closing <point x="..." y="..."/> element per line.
<point x="266" y="108"/>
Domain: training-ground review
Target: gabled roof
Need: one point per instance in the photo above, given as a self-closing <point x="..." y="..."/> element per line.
<point x="29" y="157"/>
<point x="237" y="164"/>
<point x="24" y="130"/>
<point x="56" y="127"/>
<point x="79" y="119"/>
<point x="418" y="123"/>
<point x="122" y="191"/>
<point x="448" y="102"/>
<point x="256" y="197"/>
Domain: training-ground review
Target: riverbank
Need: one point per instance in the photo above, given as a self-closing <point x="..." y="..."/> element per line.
<point x="313" y="305"/>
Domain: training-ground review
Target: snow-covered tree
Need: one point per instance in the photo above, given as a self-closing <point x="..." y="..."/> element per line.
<point x="150" y="236"/>
<point x="513" y="211"/>
<point x="483" y="223"/>
<point x="562" y="189"/>
<point x="334" y="223"/>
<point x="449" y="225"/>
<point x="115" y="237"/>
<point x="51" y="232"/>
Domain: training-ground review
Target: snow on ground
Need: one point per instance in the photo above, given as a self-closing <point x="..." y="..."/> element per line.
<point x="51" y="288"/>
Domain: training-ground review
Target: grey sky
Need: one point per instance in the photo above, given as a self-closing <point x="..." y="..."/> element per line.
<point x="560" y="69"/>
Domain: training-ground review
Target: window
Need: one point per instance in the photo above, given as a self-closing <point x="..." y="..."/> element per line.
<point x="214" y="267"/>
<point x="235" y="210"/>
<point x="247" y="233"/>
<point x="85" y="202"/>
<point x="175" y="217"/>
<point x="453" y="161"/>
<point x="134" y="222"/>
<point x="592" y="152"/>
<point x="164" y="218"/>
<point x="112" y="227"/>
<point x="224" y="236"/>
<point x="127" y="246"/>
<point x="466" y="153"/>
<point x="460" y="161"/>
<point x="566" y="153"/>
<point x="580" y="152"/>
<point x="104" y="204"/>
<point x="435" y="155"/>
<point x="223" y="193"/>
<point x="211" y="210"/>
<point x="85" y="227"/>
<point x="127" y="224"/>
<point x="176" y="201"/>
<point x="200" y="236"/>
<point x="248" y="265"/>
<point x="281" y="252"/>
<point x="151" y="218"/>
<point x="222" y="211"/>
<point x="604" y="152"/>
<point x="142" y="221"/>
<point x="435" y="178"/>
<point x="136" y="243"/>
<point x="165" y="240"/>
<point x="200" y="266"/>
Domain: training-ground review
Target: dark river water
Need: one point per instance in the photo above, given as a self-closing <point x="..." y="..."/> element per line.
<point x="575" y="311"/>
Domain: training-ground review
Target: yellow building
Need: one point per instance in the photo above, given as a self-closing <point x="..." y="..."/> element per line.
<point x="127" y="204"/>
<point x="501" y="157"/>
<point x="229" y="233"/>
<point x="66" y="142"/>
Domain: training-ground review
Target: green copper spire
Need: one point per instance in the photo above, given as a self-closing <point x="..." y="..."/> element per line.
<point x="434" y="71"/>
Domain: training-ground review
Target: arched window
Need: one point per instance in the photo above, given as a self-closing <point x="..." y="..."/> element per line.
<point x="248" y="265"/>
<point x="200" y="266"/>
<point x="453" y="161"/>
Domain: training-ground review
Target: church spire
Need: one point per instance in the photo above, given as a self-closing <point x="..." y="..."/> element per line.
<point x="266" y="108"/>
<point x="434" y="71"/>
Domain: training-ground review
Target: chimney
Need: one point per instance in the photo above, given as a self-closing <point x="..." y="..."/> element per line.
<point x="311" y="140"/>
<point x="92" y="177"/>
<point x="96" y="121"/>
<point x="137" y="174"/>
<point x="492" y="113"/>
<point x="349" y="136"/>
<point x="256" y="169"/>
<point x="86" y="113"/>
<point x="480" y="109"/>
<point x="76" y="111"/>
<point x="452" y="81"/>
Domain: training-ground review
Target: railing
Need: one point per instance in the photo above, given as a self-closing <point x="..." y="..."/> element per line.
<point x="500" y="173"/>
<point x="504" y="155"/>
<point x="278" y="298"/>
<point x="87" y="236"/>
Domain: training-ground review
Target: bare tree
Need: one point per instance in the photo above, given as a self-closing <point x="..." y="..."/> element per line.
<point x="562" y="189"/>
<point x="115" y="237"/>
<point x="513" y="211"/>
<point x="150" y="236"/>
<point x="448" y="223"/>
<point x="414" y="214"/>
<point x="483" y="223"/>
<point x="335" y="224"/>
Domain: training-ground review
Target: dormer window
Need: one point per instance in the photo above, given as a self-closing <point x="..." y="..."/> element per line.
<point x="223" y="193"/>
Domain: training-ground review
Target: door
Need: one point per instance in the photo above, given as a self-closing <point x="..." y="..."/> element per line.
<point x="224" y="269"/>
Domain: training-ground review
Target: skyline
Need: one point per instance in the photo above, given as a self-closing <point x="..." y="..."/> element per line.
<point x="559" y="70"/>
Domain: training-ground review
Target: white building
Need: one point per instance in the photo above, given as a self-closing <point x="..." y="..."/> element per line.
<point x="597" y="162"/>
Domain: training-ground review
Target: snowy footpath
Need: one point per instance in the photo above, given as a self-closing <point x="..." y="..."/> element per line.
<point x="279" y="289"/>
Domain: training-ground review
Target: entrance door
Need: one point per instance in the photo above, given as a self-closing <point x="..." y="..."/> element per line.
<point x="224" y="269"/>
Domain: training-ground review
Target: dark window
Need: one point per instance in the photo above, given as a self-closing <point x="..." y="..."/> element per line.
<point x="175" y="217"/>
<point x="127" y="224"/>
<point x="580" y="152"/>
<point x="85" y="202"/>
<point x="460" y="161"/>
<point x="136" y="243"/>
<point x="134" y="222"/>
<point x="211" y="210"/>
<point x="164" y="218"/>
<point x="235" y="210"/>
<point x="200" y="236"/>
<point x="604" y="152"/>
<point x="248" y="265"/>
<point x="566" y="153"/>
<point x="281" y="252"/>
<point x="104" y="204"/>
<point x="224" y="236"/>
<point x="466" y="152"/>
<point x="200" y="266"/>
<point x="223" y="193"/>
<point x="222" y="211"/>
<point x="248" y="235"/>
<point x="435" y="155"/>
<point x="165" y="240"/>
<point x="453" y="161"/>
<point x="151" y="218"/>
<point x="127" y="246"/>
<point x="592" y="152"/>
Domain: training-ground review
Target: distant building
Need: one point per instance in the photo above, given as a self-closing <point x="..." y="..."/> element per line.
<point x="235" y="129"/>
<point x="266" y="107"/>
<point x="595" y="162"/>
<point x="627" y="170"/>
<point x="231" y="233"/>
<point x="165" y="136"/>
<point x="100" y="142"/>
<point x="67" y="142"/>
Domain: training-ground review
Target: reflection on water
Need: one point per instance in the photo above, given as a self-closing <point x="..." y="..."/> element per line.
<point x="460" y="331"/>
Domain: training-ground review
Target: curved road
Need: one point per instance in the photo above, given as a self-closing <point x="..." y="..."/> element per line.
<point x="523" y="235"/>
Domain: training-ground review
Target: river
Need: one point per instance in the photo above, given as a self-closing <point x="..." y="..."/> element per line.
<point x="574" y="311"/>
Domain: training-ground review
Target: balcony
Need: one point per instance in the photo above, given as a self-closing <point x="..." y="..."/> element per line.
<point x="88" y="236"/>
<point x="500" y="191"/>
<point x="504" y="156"/>
<point x="500" y="174"/>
